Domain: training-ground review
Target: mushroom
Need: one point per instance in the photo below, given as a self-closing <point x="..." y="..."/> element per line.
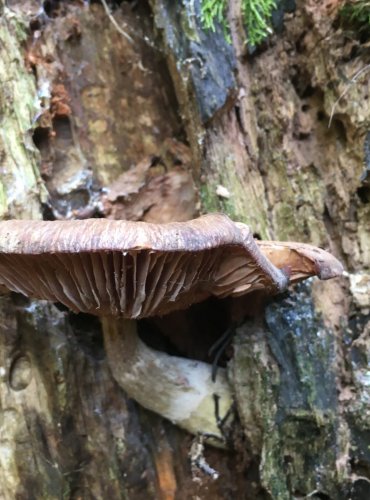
<point x="122" y="271"/>
<point x="301" y="260"/>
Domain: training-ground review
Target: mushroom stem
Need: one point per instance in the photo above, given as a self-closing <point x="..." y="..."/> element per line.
<point x="179" y="389"/>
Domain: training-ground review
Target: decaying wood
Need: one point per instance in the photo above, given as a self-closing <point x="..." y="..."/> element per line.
<point x="275" y="156"/>
<point x="66" y="429"/>
<point x="261" y="151"/>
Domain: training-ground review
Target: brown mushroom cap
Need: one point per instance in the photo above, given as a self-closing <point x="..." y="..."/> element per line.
<point x="138" y="269"/>
<point x="301" y="260"/>
<point x="133" y="269"/>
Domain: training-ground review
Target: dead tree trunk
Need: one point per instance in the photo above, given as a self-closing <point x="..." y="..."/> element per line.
<point x="146" y="116"/>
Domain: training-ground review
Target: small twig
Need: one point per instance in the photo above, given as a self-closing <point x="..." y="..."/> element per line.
<point x="216" y="399"/>
<point x="219" y="348"/>
<point x="351" y="82"/>
<point x="114" y="22"/>
<point x="221" y="421"/>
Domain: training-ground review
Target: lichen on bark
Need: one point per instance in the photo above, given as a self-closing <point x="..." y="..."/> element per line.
<point x="20" y="185"/>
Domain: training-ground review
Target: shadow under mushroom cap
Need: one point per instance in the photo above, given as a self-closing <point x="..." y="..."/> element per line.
<point x="137" y="269"/>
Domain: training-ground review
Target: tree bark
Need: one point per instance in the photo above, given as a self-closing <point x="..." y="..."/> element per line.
<point x="176" y="123"/>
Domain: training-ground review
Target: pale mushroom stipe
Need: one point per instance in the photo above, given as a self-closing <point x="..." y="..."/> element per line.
<point x="122" y="271"/>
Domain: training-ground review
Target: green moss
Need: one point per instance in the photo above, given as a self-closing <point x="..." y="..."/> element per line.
<point x="257" y="19"/>
<point x="355" y="15"/>
<point x="212" y="12"/>
<point x="3" y="201"/>
<point x="298" y="203"/>
<point x="243" y="204"/>
<point x="209" y="201"/>
<point x="212" y="203"/>
<point x="284" y="219"/>
<point x="356" y="11"/>
<point x="21" y="183"/>
<point x="256" y="15"/>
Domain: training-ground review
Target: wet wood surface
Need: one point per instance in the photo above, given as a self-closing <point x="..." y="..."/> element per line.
<point x="81" y="107"/>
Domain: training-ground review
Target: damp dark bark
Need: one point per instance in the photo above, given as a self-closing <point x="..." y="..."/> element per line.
<point x="176" y="123"/>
